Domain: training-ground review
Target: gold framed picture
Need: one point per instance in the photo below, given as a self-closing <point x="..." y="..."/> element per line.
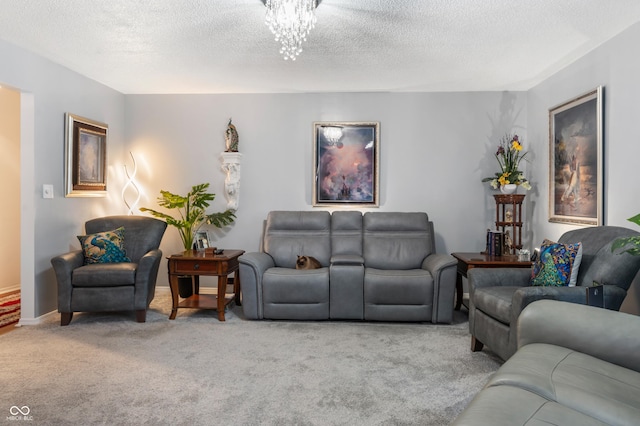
<point x="86" y="157"/>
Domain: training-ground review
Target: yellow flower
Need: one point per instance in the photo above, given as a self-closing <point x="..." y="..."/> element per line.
<point x="516" y="145"/>
<point x="504" y="179"/>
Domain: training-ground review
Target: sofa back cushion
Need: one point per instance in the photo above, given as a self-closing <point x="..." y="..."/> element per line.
<point x="396" y="240"/>
<point x="599" y="263"/>
<point x="289" y="234"/>
<point x="141" y="234"/>
<point x="346" y="233"/>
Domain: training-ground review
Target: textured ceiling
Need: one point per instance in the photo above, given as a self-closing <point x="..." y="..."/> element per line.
<point x="223" y="46"/>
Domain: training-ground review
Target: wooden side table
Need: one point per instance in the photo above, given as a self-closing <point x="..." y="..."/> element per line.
<point x="468" y="261"/>
<point x="198" y="262"/>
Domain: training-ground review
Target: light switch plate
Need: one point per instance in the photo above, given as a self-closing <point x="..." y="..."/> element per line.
<point x="47" y="191"/>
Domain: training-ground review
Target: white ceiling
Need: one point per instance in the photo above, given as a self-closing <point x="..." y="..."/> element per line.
<point x="224" y="46"/>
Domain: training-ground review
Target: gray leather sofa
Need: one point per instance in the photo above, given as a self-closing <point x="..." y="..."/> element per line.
<point x="378" y="266"/>
<point x="497" y="296"/>
<point x="576" y="365"/>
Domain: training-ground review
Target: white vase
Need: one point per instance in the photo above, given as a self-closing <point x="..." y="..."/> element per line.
<point x="509" y="188"/>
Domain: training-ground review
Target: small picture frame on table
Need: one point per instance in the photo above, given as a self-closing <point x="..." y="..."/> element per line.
<point x="201" y="240"/>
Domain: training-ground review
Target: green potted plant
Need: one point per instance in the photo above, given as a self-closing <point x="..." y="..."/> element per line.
<point x="631" y="245"/>
<point x="191" y="214"/>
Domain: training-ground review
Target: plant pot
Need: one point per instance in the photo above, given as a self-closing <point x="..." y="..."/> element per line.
<point x="185" y="286"/>
<point x="509" y="188"/>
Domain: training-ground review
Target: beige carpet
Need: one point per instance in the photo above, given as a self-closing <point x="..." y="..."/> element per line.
<point x="108" y="369"/>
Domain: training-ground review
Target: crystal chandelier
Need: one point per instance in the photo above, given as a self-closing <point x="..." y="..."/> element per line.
<point x="290" y="21"/>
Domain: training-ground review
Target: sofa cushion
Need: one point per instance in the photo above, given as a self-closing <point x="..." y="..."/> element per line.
<point x="580" y="382"/>
<point x="296" y="294"/>
<point x="557" y="265"/>
<point x="104" y="275"/>
<point x="289" y="234"/>
<point x="104" y="247"/>
<point x="396" y="240"/>
<point x="515" y="406"/>
<point x="285" y="285"/>
<point x="496" y="301"/>
<point x="609" y="267"/>
<point x="403" y="287"/>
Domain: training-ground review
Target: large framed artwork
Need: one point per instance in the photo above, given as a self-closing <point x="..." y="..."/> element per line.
<point x="346" y="163"/>
<point x="86" y="157"/>
<point x="575" y="160"/>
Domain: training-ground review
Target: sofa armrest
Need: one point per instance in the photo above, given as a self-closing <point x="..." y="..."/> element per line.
<point x="63" y="267"/>
<point x="146" y="276"/>
<point x="601" y="333"/>
<point x="498" y="277"/>
<point x="526" y="295"/>
<point x="252" y="267"/>
<point x="435" y="263"/>
<point x="443" y="268"/>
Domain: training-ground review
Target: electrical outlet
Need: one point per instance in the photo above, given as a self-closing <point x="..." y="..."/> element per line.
<point x="47" y="191"/>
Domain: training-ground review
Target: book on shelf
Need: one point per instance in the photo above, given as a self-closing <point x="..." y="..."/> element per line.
<point x="495" y="243"/>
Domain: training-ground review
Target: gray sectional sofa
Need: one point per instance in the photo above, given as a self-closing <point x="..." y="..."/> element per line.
<point x="575" y="365"/>
<point x="376" y="266"/>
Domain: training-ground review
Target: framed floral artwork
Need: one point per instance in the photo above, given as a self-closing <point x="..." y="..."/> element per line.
<point x="86" y="157"/>
<point x="346" y="163"/>
<point x="576" y="178"/>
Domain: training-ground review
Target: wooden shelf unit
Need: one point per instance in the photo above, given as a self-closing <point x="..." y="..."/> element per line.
<point x="506" y="203"/>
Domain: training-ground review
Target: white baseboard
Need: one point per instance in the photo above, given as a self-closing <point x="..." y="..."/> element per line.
<point x="35" y="321"/>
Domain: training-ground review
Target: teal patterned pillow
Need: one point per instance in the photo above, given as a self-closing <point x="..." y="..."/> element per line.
<point x="557" y="264"/>
<point x="104" y="247"/>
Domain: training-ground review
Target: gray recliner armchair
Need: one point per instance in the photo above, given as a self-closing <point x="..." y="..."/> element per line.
<point x="497" y="296"/>
<point x="121" y="286"/>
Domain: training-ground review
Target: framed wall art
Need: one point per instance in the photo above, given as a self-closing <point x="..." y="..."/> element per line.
<point x="575" y="160"/>
<point x="86" y="157"/>
<point x="346" y="163"/>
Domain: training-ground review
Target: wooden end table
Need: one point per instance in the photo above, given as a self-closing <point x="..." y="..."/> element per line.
<point x="468" y="261"/>
<point x="199" y="262"/>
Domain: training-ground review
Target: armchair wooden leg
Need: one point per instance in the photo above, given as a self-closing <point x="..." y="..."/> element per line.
<point x="476" y="345"/>
<point x="65" y="318"/>
<point x="141" y="315"/>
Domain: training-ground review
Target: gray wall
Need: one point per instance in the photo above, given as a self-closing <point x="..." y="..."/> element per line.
<point x="615" y="67"/>
<point x="55" y="91"/>
<point x="435" y="148"/>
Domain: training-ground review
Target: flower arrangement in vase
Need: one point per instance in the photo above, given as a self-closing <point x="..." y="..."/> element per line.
<point x="509" y="155"/>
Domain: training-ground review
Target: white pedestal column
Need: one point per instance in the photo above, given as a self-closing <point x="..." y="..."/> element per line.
<point x="231" y="166"/>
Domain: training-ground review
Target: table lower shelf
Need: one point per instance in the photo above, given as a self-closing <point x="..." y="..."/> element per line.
<point x="204" y="301"/>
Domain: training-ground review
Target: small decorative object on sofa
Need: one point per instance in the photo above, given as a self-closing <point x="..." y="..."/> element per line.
<point x="379" y="266"/>
<point x="558" y="264"/>
<point x="104" y="247"/>
<point x="575" y="365"/>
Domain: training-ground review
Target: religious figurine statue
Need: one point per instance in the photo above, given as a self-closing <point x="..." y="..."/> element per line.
<point x="231" y="138"/>
<point x="508" y="243"/>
